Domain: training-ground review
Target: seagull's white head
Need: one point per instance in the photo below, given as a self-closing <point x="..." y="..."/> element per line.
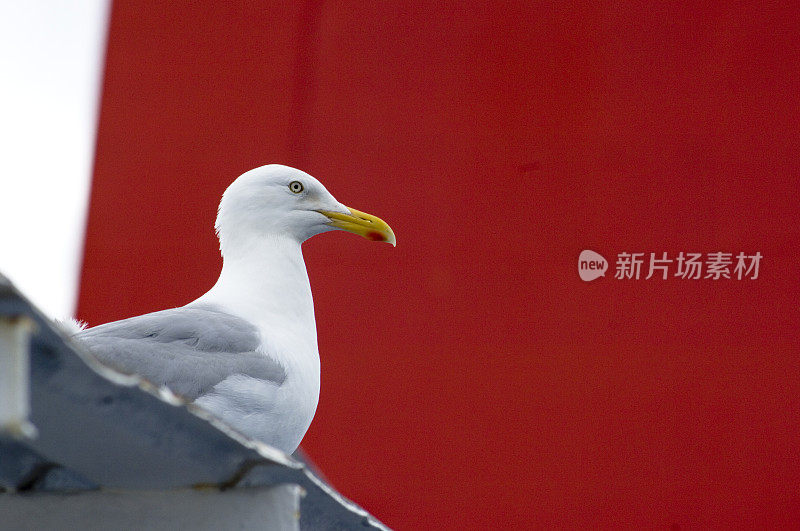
<point x="276" y="200"/>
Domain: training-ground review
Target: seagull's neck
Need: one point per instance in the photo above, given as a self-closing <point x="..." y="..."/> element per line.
<point x="264" y="281"/>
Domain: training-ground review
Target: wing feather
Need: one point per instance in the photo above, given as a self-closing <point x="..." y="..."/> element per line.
<point x="190" y="349"/>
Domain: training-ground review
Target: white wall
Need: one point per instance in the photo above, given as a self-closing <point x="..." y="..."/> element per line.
<point x="274" y="508"/>
<point x="51" y="56"/>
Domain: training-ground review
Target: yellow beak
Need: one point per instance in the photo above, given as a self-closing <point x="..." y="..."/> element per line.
<point x="363" y="224"/>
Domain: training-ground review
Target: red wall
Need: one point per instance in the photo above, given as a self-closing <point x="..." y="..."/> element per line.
<point x="486" y="382"/>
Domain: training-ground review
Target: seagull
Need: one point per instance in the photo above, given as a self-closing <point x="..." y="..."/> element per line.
<point x="246" y="351"/>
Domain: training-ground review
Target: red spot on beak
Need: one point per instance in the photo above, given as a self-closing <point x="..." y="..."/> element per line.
<point x="376" y="236"/>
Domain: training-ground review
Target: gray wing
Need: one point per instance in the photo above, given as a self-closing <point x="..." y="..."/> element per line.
<point x="189" y="349"/>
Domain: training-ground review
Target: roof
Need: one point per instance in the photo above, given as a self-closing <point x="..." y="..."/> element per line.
<point x="91" y="429"/>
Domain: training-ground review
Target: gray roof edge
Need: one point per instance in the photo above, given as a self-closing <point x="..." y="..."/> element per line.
<point x="98" y="427"/>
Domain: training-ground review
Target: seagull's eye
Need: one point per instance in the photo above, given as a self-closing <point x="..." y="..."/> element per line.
<point x="296" y="187"/>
